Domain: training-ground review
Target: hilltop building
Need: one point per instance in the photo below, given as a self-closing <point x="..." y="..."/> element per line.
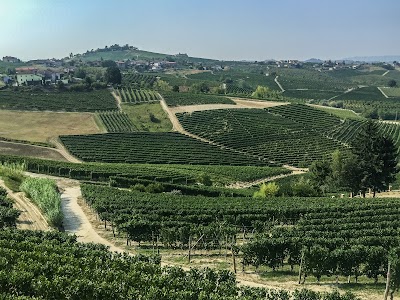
<point x="11" y="59"/>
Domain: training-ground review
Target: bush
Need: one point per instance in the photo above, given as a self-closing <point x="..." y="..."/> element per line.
<point x="270" y="189"/>
<point x="303" y="188"/>
<point x="154" y="188"/>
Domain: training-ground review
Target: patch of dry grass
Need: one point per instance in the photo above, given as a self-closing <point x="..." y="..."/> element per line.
<point x="42" y="126"/>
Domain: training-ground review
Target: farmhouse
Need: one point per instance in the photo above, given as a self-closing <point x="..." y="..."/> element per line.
<point x="29" y="79"/>
<point x="26" y="70"/>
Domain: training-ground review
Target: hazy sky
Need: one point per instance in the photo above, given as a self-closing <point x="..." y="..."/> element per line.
<point x="221" y="29"/>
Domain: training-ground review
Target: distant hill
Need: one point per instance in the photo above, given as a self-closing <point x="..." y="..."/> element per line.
<point x="385" y="58"/>
<point x="314" y="60"/>
<point x="129" y="52"/>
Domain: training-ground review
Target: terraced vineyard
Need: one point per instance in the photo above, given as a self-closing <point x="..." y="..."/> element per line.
<point x="100" y="100"/>
<point x="138" y="80"/>
<point x="117" y="121"/>
<point x="232" y="89"/>
<point x="366" y="94"/>
<point x="156" y="148"/>
<point x="182" y="99"/>
<point x="129" y="95"/>
<point x="392" y="92"/>
<point x="263" y="134"/>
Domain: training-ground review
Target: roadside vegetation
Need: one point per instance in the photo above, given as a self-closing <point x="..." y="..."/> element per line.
<point x="44" y="193"/>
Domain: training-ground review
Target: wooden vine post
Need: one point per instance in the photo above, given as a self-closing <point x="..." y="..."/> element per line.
<point x="387" y="282"/>
<point x="301" y="265"/>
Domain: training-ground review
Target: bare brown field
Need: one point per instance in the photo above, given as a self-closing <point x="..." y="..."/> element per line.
<point x="42" y="126"/>
<point x="10" y="148"/>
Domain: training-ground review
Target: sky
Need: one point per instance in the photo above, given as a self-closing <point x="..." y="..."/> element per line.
<point x="219" y="29"/>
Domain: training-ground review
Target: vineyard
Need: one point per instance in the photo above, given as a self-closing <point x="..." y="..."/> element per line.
<point x="158" y="173"/>
<point x="182" y="99"/>
<point x="116" y="121"/>
<point x="364" y="94"/>
<point x="392" y="92"/>
<point x="264" y="134"/>
<point x="31" y="269"/>
<point x="8" y="215"/>
<point x="342" y="238"/>
<point x="138" y="80"/>
<point x="292" y="79"/>
<point x="129" y="95"/>
<point x="152" y="147"/>
<point x="100" y="100"/>
<point x="311" y="94"/>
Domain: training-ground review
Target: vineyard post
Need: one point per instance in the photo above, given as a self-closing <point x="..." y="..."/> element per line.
<point x="387" y="281"/>
<point x="190" y="242"/>
<point x="226" y="247"/>
<point x="233" y="258"/>
<point x="152" y="240"/>
<point x="158" y="250"/>
<point x="301" y="265"/>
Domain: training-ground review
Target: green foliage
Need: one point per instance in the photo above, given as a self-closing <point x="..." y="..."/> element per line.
<point x="304" y="188"/>
<point x="270" y="189"/>
<point x="8" y="215"/>
<point x="199" y="88"/>
<point x="12" y="174"/>
<point x="392" y="83"/>
<point x="264" y="92"/>
<point x="113" y="75"/>
<point x="205" y="179"/>
<point x="162" y="86"/>
<point x="44" y="193"/>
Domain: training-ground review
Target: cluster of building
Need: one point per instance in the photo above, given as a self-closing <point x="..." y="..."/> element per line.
<point x="27" y="76"/>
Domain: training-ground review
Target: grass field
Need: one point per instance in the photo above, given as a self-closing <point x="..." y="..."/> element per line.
<point x="341" y="113"/>
<point x="41" y="126"/>
<point x="141" y="117"/>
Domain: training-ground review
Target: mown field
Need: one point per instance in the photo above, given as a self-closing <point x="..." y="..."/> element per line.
<point x="42" y="126"/>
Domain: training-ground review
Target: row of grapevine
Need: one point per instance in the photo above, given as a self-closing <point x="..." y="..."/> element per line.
<point x="152" y="147"/>
<point x="182" y="99"/>
<point x="116" y="121"/>
<point x="138" y="80"/>
<point x="348" y="240"/>
<point x="129" y="95"/>
<point x="8" y="215"/>
<point x="261" y="133"/>
<point x="171" y="173"/>
<point x="52" y="265"/>
<point x="228" y="215"/>
<point x="100" y="100"/>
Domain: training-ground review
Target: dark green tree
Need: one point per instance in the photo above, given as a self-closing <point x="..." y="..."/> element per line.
<point x="377" y="159"/>
<point x="113" y="75"/>
<point x="392" y="83"/>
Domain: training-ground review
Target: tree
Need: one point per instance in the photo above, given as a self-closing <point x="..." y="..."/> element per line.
<point x="200" y="88"/>
<point x="376" y="157"/>
<point x="113" y="75"/>
<point x="392" y="83"/>
<point x="265" y="92"/>
<point x="80" y="73"/>
<point x="175" y="88"/>
<point x="161" y="85"/>
<point x="108" y="63"/>
<point x="320" y="174"/>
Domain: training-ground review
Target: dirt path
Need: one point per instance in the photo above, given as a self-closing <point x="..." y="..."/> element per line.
<point x="64" y="152"/>
<point x="280" y="86"/>
<point x="30" y="218"/>
<point x="118" y="99"/>
<point x="384" y="74"/>
<point x="75" y="220"/>
<point x="240" y="104"/>
<point x="383" y="93"/>
<point x="244" y="185"/>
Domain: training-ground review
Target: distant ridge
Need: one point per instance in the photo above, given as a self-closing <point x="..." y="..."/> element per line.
<point x="314" y="60"/>
<point x="385" y="58"/>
